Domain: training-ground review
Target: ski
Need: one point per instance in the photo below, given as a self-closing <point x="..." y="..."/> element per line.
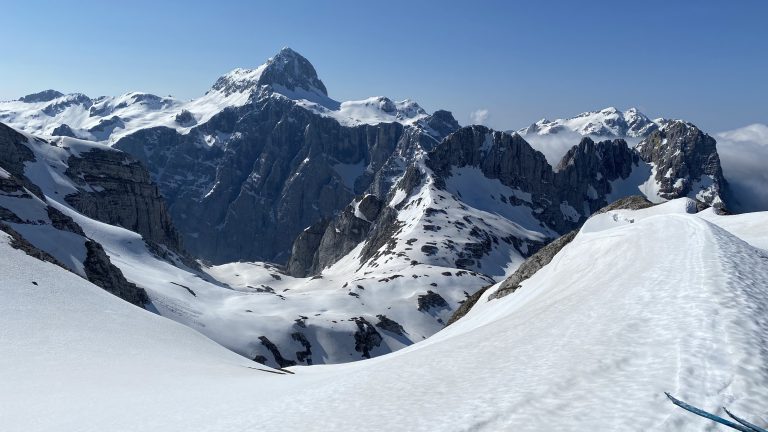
<point x="709" y="416"/>
<point x="744" y="422"/>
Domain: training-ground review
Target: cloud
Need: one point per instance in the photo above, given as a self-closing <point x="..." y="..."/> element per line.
<point x="555" y="146"/>
<point x="744" y="158"/>
<point x="479" y="116"/>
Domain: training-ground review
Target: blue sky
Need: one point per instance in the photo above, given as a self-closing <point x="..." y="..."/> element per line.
<point x="705" y="61"/>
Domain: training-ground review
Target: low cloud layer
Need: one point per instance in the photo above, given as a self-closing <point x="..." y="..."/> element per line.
<point x="744" y="157"/>
<point x="555" y="146"/>
<point x="479" y="117"/>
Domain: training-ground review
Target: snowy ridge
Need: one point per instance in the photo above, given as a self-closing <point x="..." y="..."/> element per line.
<point x="676" y="304"/>
<point x="285" y="75"/>
<point x="608" y="122"/>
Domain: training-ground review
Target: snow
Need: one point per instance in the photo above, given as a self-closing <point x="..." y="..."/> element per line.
<point x="476" y="190"/>
<point x="642" y="179"/>
<point x="675" y="303"/>
<point x="371" y="111"/>
<point x="68" y="248"/>
<point x="605" y="122"/>
<point x="749" y="226"/>
<point x="237" y="304"/>
<point x="136" y="111"/>
<point x="569" y="212"/>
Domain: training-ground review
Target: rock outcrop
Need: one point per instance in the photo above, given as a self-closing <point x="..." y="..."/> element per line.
<point x="685" y="162"/>
<point x="43" y="96"/>
<point x="584" y="174"/>
<point x="117" y="189"/>
<point x="101" y="272"/>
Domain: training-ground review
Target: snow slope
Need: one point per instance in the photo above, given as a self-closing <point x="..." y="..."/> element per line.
<point x="675" y="304"/>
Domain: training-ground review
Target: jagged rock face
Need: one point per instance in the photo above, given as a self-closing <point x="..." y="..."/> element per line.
<point x="279" y="170"/>
<point x="43" y="96"/>
<point x="21" y="211"/>
<point x="508" y="158"/>
<point x="502" y="156"/>
<point x="576" y="178"/>
<point x="304" y="259"/>
<point x="347" y="231"/>
<point x="117" y="189"/>
<point x="13" y="152"/>
<point x="686" y="162"/>
<point x="292" y="71"/>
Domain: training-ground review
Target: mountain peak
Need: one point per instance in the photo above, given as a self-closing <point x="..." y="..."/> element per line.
<point x="43" y="96"/>
<point x="607" y="122"/>
<point x="292" y="71"/>
<point x="286" y="70"/>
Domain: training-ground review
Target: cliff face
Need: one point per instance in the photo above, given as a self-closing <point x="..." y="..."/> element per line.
<point x="272" y="170"/>
<point x="117" y="189"/>
<point x="686" y="163"/>
<point x="44" y="232"/>
<point x="553" y="201"/>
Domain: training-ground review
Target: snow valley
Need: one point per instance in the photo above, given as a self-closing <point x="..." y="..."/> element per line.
<point x="266" y="257"/>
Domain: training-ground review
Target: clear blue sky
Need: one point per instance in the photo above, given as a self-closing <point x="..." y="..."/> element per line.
<point x="705" y="61"/>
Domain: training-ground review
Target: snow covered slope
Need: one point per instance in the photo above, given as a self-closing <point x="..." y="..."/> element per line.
<point x="349" y="312"/>
<point x="675" y="304"/>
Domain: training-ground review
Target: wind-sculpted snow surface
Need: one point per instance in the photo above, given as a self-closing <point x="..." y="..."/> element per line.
<point x="675" y="304"/>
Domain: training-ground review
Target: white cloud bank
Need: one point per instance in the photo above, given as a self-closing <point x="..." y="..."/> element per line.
<point x="744" y="157"/>
<point x="555" y="146"/>
<point x="479" y="117"/>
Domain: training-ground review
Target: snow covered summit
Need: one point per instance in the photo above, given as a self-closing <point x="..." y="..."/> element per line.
<point x="608" y="122"/>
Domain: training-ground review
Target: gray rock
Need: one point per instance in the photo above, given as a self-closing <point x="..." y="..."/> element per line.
<point x="101" y="272"/>
<point x="43" y="96"/>
<point x="685" y="157"/>
<point x="272" y="348"/>
<point x="366" y="337"/>
<point x="63" y="130"/>
<point x="117" y="189"/>
<point x="185" y="118"/>
<point x="62" y="103"/>
<point x="304" y="259"/>
<point x="390" y="325"/>
<point x="429" y="301"/>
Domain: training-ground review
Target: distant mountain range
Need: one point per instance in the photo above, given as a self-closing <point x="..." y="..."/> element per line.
<point x="349" y="229"/>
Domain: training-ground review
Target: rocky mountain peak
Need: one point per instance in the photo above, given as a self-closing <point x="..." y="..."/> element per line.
<point x="43" y="96"/>
<point x="286" y="70"/>
<point x="686" y="162"/>
<point x="292" y="71"/>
